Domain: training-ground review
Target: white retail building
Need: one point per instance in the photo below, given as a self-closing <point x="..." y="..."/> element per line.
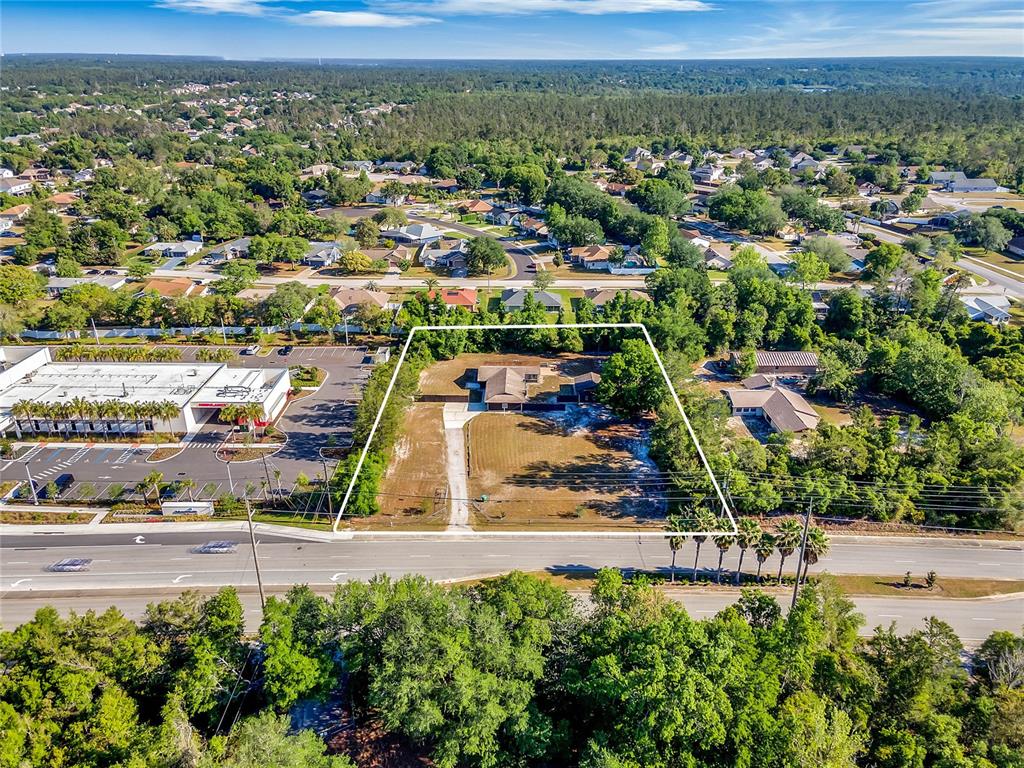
<point x="197" y="390"/>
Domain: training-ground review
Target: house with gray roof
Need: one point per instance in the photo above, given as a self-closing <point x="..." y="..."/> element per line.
<point x="515" y="298"/>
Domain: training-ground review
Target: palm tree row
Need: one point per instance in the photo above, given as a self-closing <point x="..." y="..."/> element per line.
<point x="749" y="536"/>
<point x="116" y="354"/>
<point x="78" y="410"/>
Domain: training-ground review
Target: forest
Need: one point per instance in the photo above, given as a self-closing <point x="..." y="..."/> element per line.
<point x="512" y="671"/>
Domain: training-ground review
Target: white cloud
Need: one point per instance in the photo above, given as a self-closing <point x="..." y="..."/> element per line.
<point x="526" y="7"/>
<point x="238" y="7"/>
<point x="358" y="19"/>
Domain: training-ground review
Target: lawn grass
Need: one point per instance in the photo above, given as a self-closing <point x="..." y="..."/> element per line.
<point x="1000" y="262"/>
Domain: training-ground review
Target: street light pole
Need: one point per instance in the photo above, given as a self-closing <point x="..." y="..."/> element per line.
<point x="255" y="557"/>
<point x="327" y="489"/>
<point x="803" y="547"/>
<point x="31" y="485"/>
<point x="265" y="470"/>
<point x="231" y="483"/>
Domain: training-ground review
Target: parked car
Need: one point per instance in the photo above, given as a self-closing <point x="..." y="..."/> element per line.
<point x="216" y="548"/>
<point x="251" y="350"/>
<point x="285" y="350"/>
<point x="71" y="565"/>
<point x="109" y="271"/>
<point x="93" y="272"/>
<point x="63" y="482"/>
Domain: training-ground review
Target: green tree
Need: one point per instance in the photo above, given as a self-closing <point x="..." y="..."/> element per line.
<point x="631" y="382"/>
<point x="484" y="255"/>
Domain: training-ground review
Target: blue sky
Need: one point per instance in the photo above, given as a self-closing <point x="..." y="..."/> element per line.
<point x="516" y="29"/>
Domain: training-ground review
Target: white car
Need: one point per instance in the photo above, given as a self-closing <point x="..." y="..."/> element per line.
<point x="251" y="350"/>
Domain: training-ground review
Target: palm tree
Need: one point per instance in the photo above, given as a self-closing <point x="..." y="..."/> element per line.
<point x="432" y="284"/>
<point x="748" y="532"/>
<point x="703" y="520"/>
<point x="82" y="408"/>
<point x="787" y="539"/>
<point x="675" y="543"/>
<point x="724" y="544"/>
<point x="189" y="485"/>
<point x="21" y="410"/>
<point x="816" y="548"/>
<point x="230" y="414"/>
<point x="252" y="412"/>
<point x="153" y="480"/>
<point x="763" y="549"/>
<point x="168" y="411"/>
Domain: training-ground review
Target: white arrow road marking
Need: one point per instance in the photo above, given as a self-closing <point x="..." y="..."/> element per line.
<point x="177" y="579"/>
<point x="337" y="575"/>
<point x="19" y="581"/>
<point x="140" y="539"/>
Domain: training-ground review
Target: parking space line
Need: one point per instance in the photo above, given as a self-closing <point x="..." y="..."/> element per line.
<point x="54" y="453"/>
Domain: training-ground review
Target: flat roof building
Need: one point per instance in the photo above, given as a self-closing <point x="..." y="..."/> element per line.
<point x="196" y="390"/>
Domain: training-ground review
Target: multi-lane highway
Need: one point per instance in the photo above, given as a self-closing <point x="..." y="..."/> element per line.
<point x="134" y="566"/>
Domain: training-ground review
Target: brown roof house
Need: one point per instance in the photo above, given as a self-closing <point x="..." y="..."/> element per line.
<point x="350" y="299"/>
<point x="784" y="409"/>
<point x="504" y="387"/>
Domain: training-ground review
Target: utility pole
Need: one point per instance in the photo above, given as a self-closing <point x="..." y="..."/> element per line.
<point x="231" y="483"/>
<point x="803" y="546"/>
<point x="255" y="557"/>
<point x="31" y="485"/>
<point x="95" y="333"/>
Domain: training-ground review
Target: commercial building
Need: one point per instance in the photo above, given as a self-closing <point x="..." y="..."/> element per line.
<point x="39" y="395"/>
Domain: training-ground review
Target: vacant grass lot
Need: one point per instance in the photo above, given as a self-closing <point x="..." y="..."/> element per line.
<point x="1002" y="262"/>
<point x="415" y="473"/>
<point x="538" y="475"/>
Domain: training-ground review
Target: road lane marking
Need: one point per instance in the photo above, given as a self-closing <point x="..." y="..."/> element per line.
<point x="18" y="582"/>
<point x="177" y="579"/>
<point x="181" y="558"/>
<point x="139" y="539"/>
<point x="418" y="555"/>
<point x="890" y="616"/>
<point x="338" y="575"/>
<point x="981" y="618"/>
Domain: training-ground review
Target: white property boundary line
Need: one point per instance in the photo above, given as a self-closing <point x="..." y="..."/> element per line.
<point x="668" y="382"/>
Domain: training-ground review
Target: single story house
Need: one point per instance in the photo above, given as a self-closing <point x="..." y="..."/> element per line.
<point x="446" y="185"/>
<point x="62" y="201"/>
<point x="636" y="153"/>
<point x="446" y="253"/>
<point x="351" y="299"/>
<point x="944" y="177"/>
<point x="867" y="189"/>
<point x="504" y="216"/>
<point x="322" y="254"/>
<point x="784" y="409"/>
<point x="785" y="362"/>
<point x="514" y="298"/>
<point x="481" y="207"/>
<point x="236" y="249"/>
<point x="694" y="237"/>
<point x="316" y="171"/>
<point x="456" y="297"/>
<point x="377" y="197"/>
<point x="718" y="256"/>
<point x="56" y="286"/>
<point x="591" y="257"/>
<point x="178" y="250"/>
<point x="583" y="388"/>
<point x="414" y="233"/>
<point x="972" y="185"/>
<point x="602" y="296"/>
<point x="315" y="197"/>
<point x="505" y="385"/>
<point x="171" y="287"/>
<point x="399" y="166"/>
<point x="988" y="308"/>
<point x="1016" y="246"/>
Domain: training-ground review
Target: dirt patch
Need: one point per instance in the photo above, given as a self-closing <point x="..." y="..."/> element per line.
<point x="162" y="454"/>
<point x="576" y="470"/>
<point x="415" y="476"/>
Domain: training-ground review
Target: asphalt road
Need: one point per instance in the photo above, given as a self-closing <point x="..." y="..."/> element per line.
<point x="973" y="620"/>
<point x="165" y="555"/>
<point x="515" y="250"/>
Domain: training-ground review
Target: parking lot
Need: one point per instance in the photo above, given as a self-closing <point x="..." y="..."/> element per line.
<point x="310" y="422"/>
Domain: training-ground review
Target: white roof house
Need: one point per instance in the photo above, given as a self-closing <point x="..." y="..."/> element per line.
<point x="414" y="233"/>
<point x="990" y="308"/>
